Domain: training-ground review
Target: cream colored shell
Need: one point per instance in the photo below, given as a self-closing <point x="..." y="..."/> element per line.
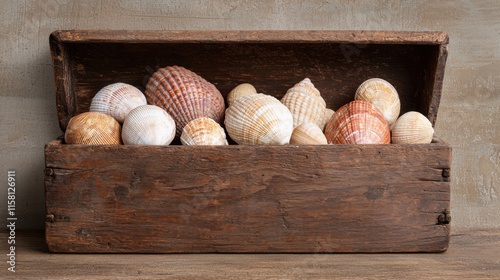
<point x="93" y="128"/>
<point x="308" y="134"/>
<point x="240" y="90"/>
<point x="328" y="115"/>
<point x="203" y="131"/>
<point x="412" y="128"/>
<point x="148" y="125"/>
<point x="259" y="119"/>
<point x="383" y="95"/>
<point x="305" y="103"/>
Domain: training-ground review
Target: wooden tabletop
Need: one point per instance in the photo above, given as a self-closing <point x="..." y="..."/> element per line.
<point x="473" y="254"/>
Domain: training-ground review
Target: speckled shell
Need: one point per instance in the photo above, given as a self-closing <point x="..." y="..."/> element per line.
<point x="240" y="90"/>
<point x="383" y="95"/>
<point x="358" y="122"/>
<point x="305" y="103"/>
<point x="259" y="119"/>
<point x="328" y="115"/>
<point x="308" y="134"/>
<point x="412" y="128"/>
<point x="184" y="95"/>
<point x="203" y="131"/>
<point x="117" y="100"/>
<point x="148" y="125"/>
<point x="93" y="128"/>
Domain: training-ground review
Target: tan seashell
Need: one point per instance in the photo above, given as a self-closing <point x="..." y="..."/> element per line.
<point x="259" y="119"/>
<point x="148" y="125"/>
<point x="93" y="128"/>
<point x="240" y="90"/>
<point x="203" y="131"/>
<point x="117" y="100"/>
<point x="308" y="134"/>
<point x="412" y="128"/>
<point x="184" y="95"/>
<point x="305" y="103"/>
<point x="358" y="122"/>
<point x="328" y="115"/>
<point x="383" y="95"/>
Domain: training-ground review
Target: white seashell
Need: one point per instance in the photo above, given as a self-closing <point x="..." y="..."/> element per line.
<point x="203" y="131"/>
<point x="383" y="95"/>
<point x="117" y="100"/>
<point x="259" y="119"/>
<point x="93" y="128"/>
<point x="148" y="125"/>
<point x="239" y="91"/>
<point x="412" y="128"/>
<point x="305" y="103"/>
<point x="328" y="115"/>
<point x="308" y="134"/>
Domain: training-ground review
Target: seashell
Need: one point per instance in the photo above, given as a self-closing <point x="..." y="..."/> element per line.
<point x="358" y="122"/>
<point x="328" y="115"/>
<point x="308" y="134"/>
<point x="93" y="128"/>
<point x="305" y="103"/>
<point x="203" y="131"/>
<point x="240" y="90"/>
<point x="383" y="95"/>
<point x="148" y="125"/>
<point x="412" y="128"/>
<point x="117" y="100"/>
<point x="259" y="119"/>
<point x="184" y="95"/>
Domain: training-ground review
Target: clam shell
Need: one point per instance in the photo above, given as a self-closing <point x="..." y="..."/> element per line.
<point x="93" y="128"/>
<point x="184" y="95"/>
<point x="383" y="95"/>
<point x="308" y="134"/>
<point x="203" y="131"/>
<point x="240" y="90"/>
<point x="148" y="125"/>
<point x="305" y="103"/>
<point x="259" y="119"/>
<point x="358" y="122"/>
<point x="117" y="100"/>
<point x="412" y="128"/>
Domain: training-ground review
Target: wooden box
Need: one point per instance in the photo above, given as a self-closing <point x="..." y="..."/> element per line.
<point x="327" y="198"/>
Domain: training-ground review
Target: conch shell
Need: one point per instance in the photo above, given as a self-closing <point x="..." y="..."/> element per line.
<point x="240" y="90"/>
<point x="308" y="134"/>
<point x="305" y="103"/>
<point x="383" y="95"/>
<point x="259" y="119"/>
<point x="93" y="128"/>
<point x="203" y="131"/>
<point x="148" y="125"/>
<point x="412" y="128"/>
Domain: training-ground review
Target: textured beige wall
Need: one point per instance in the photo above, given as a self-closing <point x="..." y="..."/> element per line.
<point x="468" y="117"/>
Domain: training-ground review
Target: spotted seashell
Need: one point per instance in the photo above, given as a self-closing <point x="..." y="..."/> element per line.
<point x="148" y="125"/>
<point x="305" y="103"/>
<point x="203" y="131"/>
<point x="383" y="95"/>
<point x="308" y="134"/>
<point x="412" y="128"/>
<point x="93" y="128"/>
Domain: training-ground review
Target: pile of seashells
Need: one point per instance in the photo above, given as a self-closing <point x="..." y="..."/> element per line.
<point x="179" y="103"/>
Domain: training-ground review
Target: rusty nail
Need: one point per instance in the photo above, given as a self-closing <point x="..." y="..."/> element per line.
<point x="49" y="218"/>
<point x="49" y="171"/>
<point x="441" y="218"/>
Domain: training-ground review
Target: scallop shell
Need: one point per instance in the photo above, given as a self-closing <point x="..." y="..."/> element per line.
<point x="239" y="91"/>
<point x="93" y="128"/>
<point x="308" y="134"/>
<point x="358" y="122"/>
<point x="305" y="103"/>
<point x="148" y="125"/>
<point x="383" y="95"/>
<point x="328" y="115"/>
<point x="412" y="128"/>
<point x="184" y="95"/>
<point x="259" y="119"/>
<point x="203" y="131"/>
<point x="117" y="100"/>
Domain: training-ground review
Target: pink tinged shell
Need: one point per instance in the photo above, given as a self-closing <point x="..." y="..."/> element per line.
<point x="148" y="125"/>
<point x="239" y="91"/>
<point x="412" y="128"/>
<point x="259" y="119"/>
<point x="305" y="103"/>
<point x="203" y="131"/>
<point x="184" y="95"/>
<point x="93" y="128"/>
<point x="383" y="95"/>
<point x="117" y="100"/>
<point x="358" y="122"/>
<point x="308" y="134"/>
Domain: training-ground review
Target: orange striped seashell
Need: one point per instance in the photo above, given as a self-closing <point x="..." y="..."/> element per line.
<point x="93" y="128"/>
<point x="358" y="122"/>
<point x="184" y="95"/>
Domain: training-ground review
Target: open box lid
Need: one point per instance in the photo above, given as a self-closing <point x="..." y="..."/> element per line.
<point x="337" y="62"/>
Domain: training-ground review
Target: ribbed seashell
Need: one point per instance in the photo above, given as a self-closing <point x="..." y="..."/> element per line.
<point x="239" y="91"/>
<point x="308" y="134"/>
<point x="184" y="95"/>
<point x="358" y="122"/>
<point x="383" y="95"/>
<point x="93" y="128"/>
<point x="259" y="119"/>
<point x="305" y="103"/>
<point x="328" y="115"/>
<point x="148" y="125"/>
<point x="412" y="128"/>
<point x="117" y="100"/>
<point x="203" y="131"/>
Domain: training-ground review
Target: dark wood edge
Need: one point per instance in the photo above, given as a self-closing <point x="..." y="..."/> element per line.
<point x="438" y="83"/>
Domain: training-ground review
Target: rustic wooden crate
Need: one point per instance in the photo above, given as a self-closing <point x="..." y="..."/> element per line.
<point x="327" y="198"/>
